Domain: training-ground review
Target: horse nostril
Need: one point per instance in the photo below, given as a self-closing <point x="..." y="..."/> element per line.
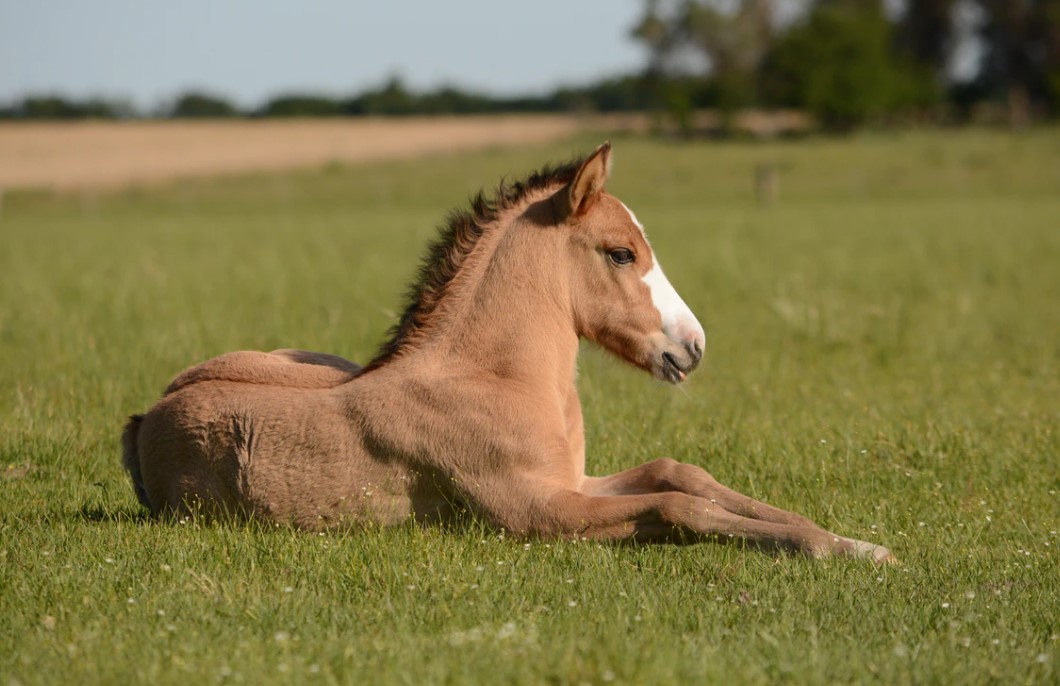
<point x="695" y="350"/>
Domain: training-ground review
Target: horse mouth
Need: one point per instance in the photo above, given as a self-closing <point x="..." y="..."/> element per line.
<point x="671" y="370"/>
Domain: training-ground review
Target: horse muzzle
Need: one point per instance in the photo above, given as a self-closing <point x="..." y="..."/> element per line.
<point x="676" y="360"/>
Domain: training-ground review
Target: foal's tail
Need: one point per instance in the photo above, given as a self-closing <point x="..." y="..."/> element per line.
<point x="130" y="458"/>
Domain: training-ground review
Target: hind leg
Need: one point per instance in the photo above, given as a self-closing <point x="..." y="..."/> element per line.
<point x="198" y="496"/>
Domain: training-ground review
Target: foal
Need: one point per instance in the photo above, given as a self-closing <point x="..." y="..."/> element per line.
<point x="471" y="405"/>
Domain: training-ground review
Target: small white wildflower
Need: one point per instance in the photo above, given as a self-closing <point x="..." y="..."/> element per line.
<point x="131" y="601"/>
<point x="288" y="589"/>
<point x="572" y="603"/>
<point x="411" y="587"/>
<point x="969" y="595"/>
<point x="109" y="560"/>
<point x="479" y="568"/>
<point x="281" y="636"/>
<point x="945" y="605"/>
<point x="1042" y="658"/>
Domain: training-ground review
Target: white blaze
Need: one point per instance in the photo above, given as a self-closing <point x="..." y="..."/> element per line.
<point x="679" y="324"/>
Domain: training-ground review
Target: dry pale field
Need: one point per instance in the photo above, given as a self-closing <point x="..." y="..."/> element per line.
<point x="94" y="155"/>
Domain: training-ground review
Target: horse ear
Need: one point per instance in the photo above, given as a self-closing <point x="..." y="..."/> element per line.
<point x="589" y="180"/>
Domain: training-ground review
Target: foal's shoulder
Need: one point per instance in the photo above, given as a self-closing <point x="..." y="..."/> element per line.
<point x="287" y="368"/>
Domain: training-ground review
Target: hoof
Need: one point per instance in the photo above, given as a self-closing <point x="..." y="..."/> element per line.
<point x="871" y="551"/>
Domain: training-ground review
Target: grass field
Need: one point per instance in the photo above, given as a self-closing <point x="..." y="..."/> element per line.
<point x="883" y="351"/>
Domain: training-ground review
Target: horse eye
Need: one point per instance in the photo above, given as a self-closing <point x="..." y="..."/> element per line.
<point x="621" y="256"/>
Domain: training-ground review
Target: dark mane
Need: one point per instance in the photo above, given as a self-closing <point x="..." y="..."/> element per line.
<point x="456" y="239"/>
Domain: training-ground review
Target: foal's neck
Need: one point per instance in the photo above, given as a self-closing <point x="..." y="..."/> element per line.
<point x="508" y="312"/>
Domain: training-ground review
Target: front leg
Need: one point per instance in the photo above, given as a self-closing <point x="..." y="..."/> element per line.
<point x="536" y="509"/>
<point x="667" y="475"/>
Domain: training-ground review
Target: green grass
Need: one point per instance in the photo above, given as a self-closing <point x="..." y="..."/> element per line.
<point x="883" y="349"/>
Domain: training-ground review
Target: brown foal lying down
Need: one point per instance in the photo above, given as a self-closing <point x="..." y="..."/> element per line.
<point x="472" y="404"/>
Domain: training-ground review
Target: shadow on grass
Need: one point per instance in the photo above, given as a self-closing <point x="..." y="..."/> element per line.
<point x="101" y="513"/>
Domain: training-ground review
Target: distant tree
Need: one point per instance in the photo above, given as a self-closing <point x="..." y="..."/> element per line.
<point x="197" y="105"/>
<point x="925" y="32"/>
<point x="1021" y="65"/>
<point x="735" y="44"/>
<point x="452" y="100"/>
<point x="693" y="41"/>
<point x="391" y="99"/>
<point x="301" y="105"/>
<point x="58" y="107"/>
<point x="838" y="64"/>
<point x="925" y="40"/>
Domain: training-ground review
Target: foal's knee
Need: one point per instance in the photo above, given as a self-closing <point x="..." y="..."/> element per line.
<point x="671" y="475"/>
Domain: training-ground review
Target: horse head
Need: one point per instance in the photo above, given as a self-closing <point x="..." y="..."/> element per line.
<point x="621" y="299"/>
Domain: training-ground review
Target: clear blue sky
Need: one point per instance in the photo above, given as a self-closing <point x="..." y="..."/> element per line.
<point x="248" y="50"/>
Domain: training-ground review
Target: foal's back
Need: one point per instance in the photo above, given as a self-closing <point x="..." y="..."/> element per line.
<point x="287" y="368"/>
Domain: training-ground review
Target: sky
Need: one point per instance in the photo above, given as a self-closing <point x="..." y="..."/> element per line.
<point x="149" y="51"/>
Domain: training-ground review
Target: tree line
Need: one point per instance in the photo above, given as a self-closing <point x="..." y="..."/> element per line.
<point x="393" y="98"/>
<point x="846" y="62"/>
<point x="852" y="61"/>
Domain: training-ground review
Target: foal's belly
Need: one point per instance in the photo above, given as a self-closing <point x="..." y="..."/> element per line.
<point x="282" y="455"/>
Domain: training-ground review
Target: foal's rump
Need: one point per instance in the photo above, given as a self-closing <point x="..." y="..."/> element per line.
<point x="276" y="453"/>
